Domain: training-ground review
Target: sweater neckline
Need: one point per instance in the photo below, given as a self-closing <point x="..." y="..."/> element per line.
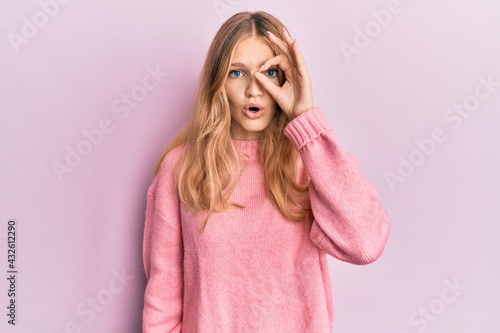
<point x="249" y="149"/>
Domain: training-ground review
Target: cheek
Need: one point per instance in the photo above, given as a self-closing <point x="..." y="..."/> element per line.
<point x="231" y="92"/>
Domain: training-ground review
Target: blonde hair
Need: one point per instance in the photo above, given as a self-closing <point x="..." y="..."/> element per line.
<point x="206" y="173"/>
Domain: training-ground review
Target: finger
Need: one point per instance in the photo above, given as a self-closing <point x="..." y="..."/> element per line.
<point x="282" y="45"/>
<point x="287" y="37"/>
<point x="272" y="88"/>
<point x="280" y="60"/>
<point x="299" y="60"/>
<point x="289" y="41"/>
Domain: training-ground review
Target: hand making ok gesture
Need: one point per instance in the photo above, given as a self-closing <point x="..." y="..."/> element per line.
<point x="295" y="96"/>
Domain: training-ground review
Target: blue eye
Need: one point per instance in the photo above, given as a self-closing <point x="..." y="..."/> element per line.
<point x="272" y="72"/>
<point x="235" y="73"/>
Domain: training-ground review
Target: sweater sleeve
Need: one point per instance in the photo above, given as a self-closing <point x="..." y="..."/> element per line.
<point x="348" y="221"/>
<point x="163" y="255"/>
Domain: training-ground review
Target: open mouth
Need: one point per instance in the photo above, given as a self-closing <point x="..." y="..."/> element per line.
<point x="254" y="110"/>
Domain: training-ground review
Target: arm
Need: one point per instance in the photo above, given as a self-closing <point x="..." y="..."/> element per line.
<point x="348" y="221"/>
<point x="163" y="256"/>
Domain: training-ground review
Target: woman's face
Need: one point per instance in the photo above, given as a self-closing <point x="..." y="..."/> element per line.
<point x="252" y="107"/>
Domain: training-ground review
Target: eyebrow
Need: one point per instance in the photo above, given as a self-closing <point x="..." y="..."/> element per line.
<point x="238" y="64"/>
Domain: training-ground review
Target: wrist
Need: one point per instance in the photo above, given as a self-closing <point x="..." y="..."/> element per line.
<point x="300" y="111"/>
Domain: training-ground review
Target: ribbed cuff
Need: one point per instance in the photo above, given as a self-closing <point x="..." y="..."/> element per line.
<point x="306" y="127"/>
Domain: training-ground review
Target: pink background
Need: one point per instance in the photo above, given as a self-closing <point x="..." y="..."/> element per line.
<point x="78" y="231"/>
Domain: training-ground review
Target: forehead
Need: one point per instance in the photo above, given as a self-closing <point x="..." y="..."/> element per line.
<point x="252" y="51"/>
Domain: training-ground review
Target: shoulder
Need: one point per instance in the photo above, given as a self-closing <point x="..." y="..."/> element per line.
<point x="168" y="169"/>
<point x="171" y="159"/>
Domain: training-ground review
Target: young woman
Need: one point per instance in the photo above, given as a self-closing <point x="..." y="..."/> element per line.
<point x="250" y="196"/>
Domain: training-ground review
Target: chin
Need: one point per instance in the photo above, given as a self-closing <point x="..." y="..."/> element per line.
<point x="256" y="129"/>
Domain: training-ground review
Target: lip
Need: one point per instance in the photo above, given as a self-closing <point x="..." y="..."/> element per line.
<point x="251" y="114"/>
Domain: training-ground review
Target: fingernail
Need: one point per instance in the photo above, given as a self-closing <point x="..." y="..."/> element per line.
<point x="270" y="33"/>
<point x="261" y="68"/>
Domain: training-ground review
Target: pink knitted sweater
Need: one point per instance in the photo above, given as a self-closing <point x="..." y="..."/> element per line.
<point x="252" y="270"/>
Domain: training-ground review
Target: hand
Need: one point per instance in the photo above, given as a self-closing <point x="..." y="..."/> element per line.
<point x="295" y="96"/>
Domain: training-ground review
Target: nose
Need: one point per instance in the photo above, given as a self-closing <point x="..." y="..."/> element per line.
<point x="254" y="88"/>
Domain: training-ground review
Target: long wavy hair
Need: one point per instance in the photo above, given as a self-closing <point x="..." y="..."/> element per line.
<point x="209" y="168"/>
